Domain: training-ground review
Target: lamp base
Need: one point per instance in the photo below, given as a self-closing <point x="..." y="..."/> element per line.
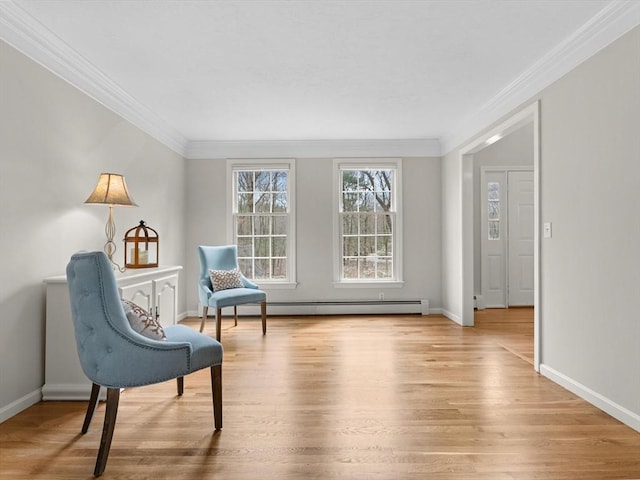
<point x="110" y="246"/>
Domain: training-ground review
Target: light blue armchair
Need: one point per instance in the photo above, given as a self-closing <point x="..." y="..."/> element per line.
<point x="114" y="356"/>
<point x="226" y="258"/>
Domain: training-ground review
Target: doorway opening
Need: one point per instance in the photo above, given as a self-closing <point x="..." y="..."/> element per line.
<point x="529" y="115"/>
<point x="503" y="250"/>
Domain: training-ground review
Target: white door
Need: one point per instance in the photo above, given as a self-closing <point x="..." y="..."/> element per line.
<point x="520" y="243"/>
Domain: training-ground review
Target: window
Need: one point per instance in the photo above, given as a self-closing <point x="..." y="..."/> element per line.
<point x="368" y="221"/>
<point x="262" y="219"/>
<point x="493" y="210"/>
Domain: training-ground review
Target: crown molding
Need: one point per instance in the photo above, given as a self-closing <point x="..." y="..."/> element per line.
<point x="26" y="34"/>
<point x="426" y="147"/>
<point x="608" y="25"/>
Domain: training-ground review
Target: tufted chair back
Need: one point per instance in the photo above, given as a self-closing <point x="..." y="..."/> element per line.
<point x="216" y="258"/>
<point x="108" y="347"/>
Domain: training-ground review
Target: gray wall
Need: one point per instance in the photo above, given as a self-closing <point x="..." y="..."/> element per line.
<point x="54" y="142"/>
<point x="207" y="225"/>
<point x="590" y="184"/>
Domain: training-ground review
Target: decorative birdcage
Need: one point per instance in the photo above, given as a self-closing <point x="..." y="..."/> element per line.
<point x="141" y="245"/>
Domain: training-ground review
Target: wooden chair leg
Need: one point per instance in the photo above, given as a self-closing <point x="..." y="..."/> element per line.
<point x="235" y="314"/>
<point x="218" y="323"/>
<point x="180" y="385"/>
<point x="204" y="317"/>
<point x="263" y="312"/>
<point x="91" y="408"/>
<point x="216" y="391"/>
<point x="113" y="397"/>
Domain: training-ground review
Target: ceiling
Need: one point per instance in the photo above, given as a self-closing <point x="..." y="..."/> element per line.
<point x="192" y="72"/>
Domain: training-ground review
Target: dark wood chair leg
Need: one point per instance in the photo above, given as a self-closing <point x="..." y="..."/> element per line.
<point x="204" y="317"/>
<point x="91" y="408"/>
<point x="235" y="314"/>
<point x="113" y="397"/>
<point x="218" y="324"/>
<point x="180" y="385"/>
<point x="216" y="391"/>
<point x="263" y="312"/>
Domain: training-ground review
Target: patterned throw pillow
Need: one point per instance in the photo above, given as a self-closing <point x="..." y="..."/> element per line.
<point x="142" y="322"/>
<point x="225" y="279"/>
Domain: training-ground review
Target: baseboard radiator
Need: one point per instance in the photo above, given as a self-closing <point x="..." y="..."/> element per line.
<point x="338" y="307"/>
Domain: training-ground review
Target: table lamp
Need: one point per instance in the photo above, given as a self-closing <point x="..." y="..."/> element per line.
<point x="111" y="190"/>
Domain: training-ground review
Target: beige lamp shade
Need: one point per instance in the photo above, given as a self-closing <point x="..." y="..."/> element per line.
<point x="111" y="190"/>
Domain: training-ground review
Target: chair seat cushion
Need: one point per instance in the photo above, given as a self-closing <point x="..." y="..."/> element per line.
<point x="236" y="296"/>
<point x="205" y="352"/>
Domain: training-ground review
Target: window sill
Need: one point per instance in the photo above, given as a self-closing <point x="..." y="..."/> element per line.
<point x="276" y="285"/>
<point x="369" y="284"/>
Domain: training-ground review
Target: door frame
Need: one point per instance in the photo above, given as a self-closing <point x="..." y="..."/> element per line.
<point x="483" y="221"/>
<point x="530" y="114"/>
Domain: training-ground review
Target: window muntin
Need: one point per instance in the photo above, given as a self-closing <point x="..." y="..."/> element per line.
<point x="262" y="221"/>
<point x="367" y="223"/>
<point x="493" y="210"/>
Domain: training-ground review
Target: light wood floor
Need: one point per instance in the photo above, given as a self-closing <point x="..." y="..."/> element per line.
<point x="376" y="397"/>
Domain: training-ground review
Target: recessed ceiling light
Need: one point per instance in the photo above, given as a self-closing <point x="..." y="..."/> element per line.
<point x="493" y="139"/>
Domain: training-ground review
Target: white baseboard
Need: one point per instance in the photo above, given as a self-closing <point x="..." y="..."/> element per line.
<point x="451" y="316"/>
<point x="19" y="405"/>
<point x="603" y="403"/>
<point x="69" y="391"/>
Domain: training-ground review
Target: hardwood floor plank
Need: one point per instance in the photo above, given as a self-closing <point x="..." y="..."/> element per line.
<point x="350" y="397"/>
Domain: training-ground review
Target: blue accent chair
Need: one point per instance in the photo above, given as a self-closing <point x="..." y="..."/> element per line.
<point x="114" y="356"/>
<point x="226" y="258"/>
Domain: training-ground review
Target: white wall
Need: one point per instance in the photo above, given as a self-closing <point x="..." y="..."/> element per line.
<point x="54" y="142"/>
<point x="452" y="236"/>
<point x="590" y="268"/>
<point x="207" y="202"/>
<point x="515" y="149"/>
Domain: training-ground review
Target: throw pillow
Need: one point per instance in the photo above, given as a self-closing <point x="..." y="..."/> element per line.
<point x="142" y="322"/>
<point x="225" y="279"/>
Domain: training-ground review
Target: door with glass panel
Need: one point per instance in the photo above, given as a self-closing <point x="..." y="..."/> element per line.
<point x="507" y="237"/>
<point x="493" y="234"/>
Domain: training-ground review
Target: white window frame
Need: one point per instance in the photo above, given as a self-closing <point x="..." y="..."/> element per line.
<point x="234" y="165"/>
<point x="340" y="164"/>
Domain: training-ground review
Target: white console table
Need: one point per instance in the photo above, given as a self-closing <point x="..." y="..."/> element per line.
<point x="155" y="289"/>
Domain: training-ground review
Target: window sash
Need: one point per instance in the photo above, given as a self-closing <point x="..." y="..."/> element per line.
<point x="271" y="198"/>
<point x="369" y="255"/>
<point x="362" y="211"/>
<point x="261" y="220"/>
